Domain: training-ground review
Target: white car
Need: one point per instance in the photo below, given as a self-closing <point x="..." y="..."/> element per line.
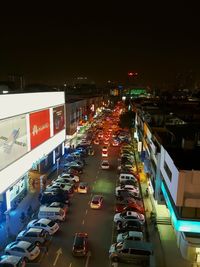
<point x="130" y="235"/>
<point x="105" y="148"/>
<point x="130" y="188"/>
<point x="50" y="226"/>
<point x="105" y="164"/>
<point x="129" y="215"/>
<point x="12" y="261"/>
<point x="115" y="143"/>
<point x="23" y="249"/>
<point x="127" y="177"/>
<point x="69" y="176"/>
<point x="104" y="154"/>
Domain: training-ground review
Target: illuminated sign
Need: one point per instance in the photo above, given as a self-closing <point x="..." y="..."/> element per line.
<point x="39" y="127"/>
<point x="180" y="225"/>
<point x="58" y="119"/>
<point x="13" y="140"/>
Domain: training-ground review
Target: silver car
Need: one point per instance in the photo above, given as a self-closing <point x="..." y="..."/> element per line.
<point x="34" y="235"/>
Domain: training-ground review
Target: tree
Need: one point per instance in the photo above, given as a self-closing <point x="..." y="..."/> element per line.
<point x="127" y="120"/>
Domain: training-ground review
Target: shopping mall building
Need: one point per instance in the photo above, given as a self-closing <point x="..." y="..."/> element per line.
<point x="32" y="136"/>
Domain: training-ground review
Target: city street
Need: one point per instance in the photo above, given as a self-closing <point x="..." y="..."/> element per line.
<point x="97" y="223"/>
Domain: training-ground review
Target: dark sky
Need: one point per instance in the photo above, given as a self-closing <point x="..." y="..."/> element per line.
<point x="103" y="40"/>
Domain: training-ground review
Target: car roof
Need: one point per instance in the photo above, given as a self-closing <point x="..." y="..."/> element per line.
<point x="96" y="197"/>
<point x="43" y="220"/>
<point x="22" y="244"/>
<point x="32" y="229"/>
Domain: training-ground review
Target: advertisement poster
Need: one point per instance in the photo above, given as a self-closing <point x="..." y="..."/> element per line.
<point x="39" y="127"/>
<point x="58" y="119"/>
<point x="13" y="140"/>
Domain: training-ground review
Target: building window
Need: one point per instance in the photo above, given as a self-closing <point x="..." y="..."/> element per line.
<point x="168" y="171"/>
<point x="188" y="212"/>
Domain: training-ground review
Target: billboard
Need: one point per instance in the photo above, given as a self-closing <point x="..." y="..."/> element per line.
<point x="58" y="119"/>
<point x="39" y="127"/>
<point x="13" y="140"/>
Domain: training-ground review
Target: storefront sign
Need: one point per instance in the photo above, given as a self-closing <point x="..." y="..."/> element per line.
<point x="58" y="119"/>
<point x="13" y="140"/>
<point x="39" y="127"/>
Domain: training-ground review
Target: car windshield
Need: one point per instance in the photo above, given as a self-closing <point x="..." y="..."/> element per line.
<point x="31" y="247"/>
<point x="82" y="186"/>
<point x="95" y="202"/>
<point x="78" y="244"/>
<point x="50" y="224"/>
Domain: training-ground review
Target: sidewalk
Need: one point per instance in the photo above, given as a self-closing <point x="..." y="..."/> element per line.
<point x="10" y="227"/>
<point x="13" y="225"/>
<point x="166" y="251"/>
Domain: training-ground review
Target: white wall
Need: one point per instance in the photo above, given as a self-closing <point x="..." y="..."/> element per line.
<point x="15" y="104"/>
<point x="13" y="172"/>
<point x="173" y="184"/>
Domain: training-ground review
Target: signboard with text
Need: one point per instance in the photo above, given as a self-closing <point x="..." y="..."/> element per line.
<point x="13" y="140"/>
<point x="58" y="119"/>
<point x="39" y="127"/>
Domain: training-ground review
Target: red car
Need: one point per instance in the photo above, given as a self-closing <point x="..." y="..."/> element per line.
<point x="130" y="205"/>
<point x="80" y="245"/>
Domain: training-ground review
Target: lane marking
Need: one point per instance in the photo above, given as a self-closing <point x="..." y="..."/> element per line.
<point x="83" y="222"/>
<point x="70" y="265"/>
<point x="86" y="212"/>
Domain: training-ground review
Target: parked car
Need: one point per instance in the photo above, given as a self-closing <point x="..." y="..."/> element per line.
<point x="124" y="194"/>
<point x="131" y="251"/>
<point x="130" y="235"/>
<point x="69" y="188"/>
<point x="72" y="170"/>
<point x="129" y="215"/>
<point x="80" y="245"/>
<point x="69" y="176"/>
<point x="129" y="188"/>
<point x="127" y="176"/>
<point x="61" y="205"/>
<point x="24" y="249"/>
<point x="34" y="235"/>
<point x="64" y="181"/>
<point x="129" y="204"/>
<point x="54" y="196"/>
<point x="129" y="225"/>
<point x="48" y="225"/>
<point x="12" y="261"/>
<point x="96" y="202"/>
<point x="74" y="165"/>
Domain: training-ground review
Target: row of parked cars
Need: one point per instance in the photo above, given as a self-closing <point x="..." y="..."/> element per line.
<point x="129" y="219"/>
<point x="31" y="242"/>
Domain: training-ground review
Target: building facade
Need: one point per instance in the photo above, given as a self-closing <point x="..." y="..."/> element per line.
<point x="32" y="136"/>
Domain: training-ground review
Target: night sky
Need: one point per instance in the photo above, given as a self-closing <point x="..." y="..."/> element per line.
<point x="103" y="40"/>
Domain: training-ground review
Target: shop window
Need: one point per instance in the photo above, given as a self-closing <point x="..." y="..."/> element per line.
<point x="188" y="212"/>
<point x="168" y="171"/>
<point x="198" y="212"/>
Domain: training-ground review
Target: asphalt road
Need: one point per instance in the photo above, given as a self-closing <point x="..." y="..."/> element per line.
<point x="97" y="223"/>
